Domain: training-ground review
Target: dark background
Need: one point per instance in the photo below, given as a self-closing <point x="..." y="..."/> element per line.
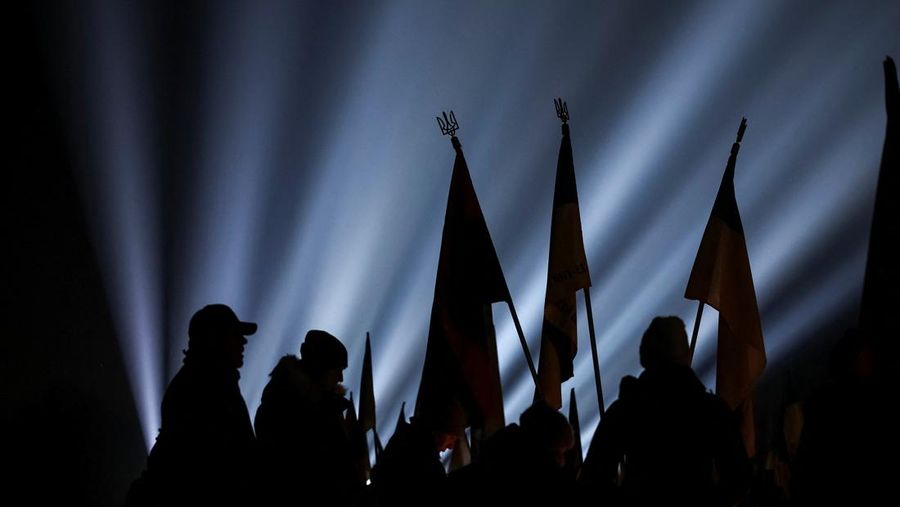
<point x="73" y="433"/>
<point x="71" y="430"/>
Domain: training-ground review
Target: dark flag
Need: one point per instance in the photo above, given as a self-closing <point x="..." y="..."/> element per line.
<point x="721" y="278"/>
<point x="460" y="378"/>
<point x="881" y="289"/>
<point x="567" y="273"/>
<point x="367" y="399"/>
<point x="367" y="391"/>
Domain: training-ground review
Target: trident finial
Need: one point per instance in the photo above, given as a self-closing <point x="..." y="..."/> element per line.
<point x="741" y="129"/>
<point x="562" y="110"/>
<point x="448" y="125"/>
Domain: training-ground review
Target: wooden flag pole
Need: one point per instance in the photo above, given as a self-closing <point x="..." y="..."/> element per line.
<point x="696" y="328"/>
<point x="596" y="360"/>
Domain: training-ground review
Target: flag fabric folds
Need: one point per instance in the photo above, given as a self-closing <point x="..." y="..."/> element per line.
<point x="721" y="278"/>
<point x="460" y="383"/>
<point x="567" y="273"/>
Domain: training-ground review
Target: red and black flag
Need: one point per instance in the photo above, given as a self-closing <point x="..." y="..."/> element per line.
<point x="721" y="278"/>
<point x="460" y="378"/>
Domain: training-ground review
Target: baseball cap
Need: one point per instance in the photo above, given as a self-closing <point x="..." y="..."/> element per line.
<point x="217" y="319"/>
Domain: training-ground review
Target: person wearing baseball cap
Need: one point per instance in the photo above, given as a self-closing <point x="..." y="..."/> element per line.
<point x="202" y="455"/>
<point x="216" y="334"/>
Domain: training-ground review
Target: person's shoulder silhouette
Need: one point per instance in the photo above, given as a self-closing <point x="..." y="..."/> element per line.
<point x="682" y="443"/>
<point x="531" y="452"/>
<point x="204" y="451"/>
<point x="304" y="449"/>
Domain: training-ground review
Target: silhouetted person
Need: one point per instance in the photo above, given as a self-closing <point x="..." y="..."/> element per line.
<point x="666" y="440"/>
<point x="204" y="451"/>
<point x="848" y="444"/>
<point x="522" y="464"/>
<point x="305" y="454"/>
<point x="410" y="471"/>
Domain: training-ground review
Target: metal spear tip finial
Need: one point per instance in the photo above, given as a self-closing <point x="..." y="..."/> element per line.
<point x="562" y="109"/>
<point x="448" y="125"/>
<point x="741" y="129"/>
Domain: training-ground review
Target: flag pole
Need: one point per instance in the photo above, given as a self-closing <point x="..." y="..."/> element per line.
<point x="740" y="136"/>
<point x="449" y="126"/>
<point x="562" y="112"/>
<point x="596" y="361"/>
<point x="574" y="456"/>
<point x="534" y="376"/>
<point x="696" y="327"/>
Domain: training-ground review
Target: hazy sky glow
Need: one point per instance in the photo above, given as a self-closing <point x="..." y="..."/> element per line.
<point x="283" y="158"/>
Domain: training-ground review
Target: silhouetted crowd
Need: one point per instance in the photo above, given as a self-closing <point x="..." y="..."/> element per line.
<point x="665" y="440"/>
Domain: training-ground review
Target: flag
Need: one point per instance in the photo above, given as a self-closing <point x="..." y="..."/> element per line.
<point x="721" y="278"/>
<point x="574" y="456"/>
<point x="367" y="391"/>
<point x="367" y="400"/>
<point x="881" y="288"/>
<point x="460" y="383"/>
<point x="567" y="272"/>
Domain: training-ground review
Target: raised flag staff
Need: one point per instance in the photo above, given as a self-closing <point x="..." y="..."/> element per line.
<point x="562" y="112"/>
<point x="449" y="126"/>
<point x="721" y="277"/>
<point x="567" y="273"/>
<point x="730" y="167"/>
<point x="696" y="331"/>
<point x="460" y="384"/>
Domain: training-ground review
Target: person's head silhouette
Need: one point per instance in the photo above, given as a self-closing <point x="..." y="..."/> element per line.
<point x="216" y="334"/>
<point x="665" y="344"/>
<point x="325" y="358"/>
<point x="548" y="431"/>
